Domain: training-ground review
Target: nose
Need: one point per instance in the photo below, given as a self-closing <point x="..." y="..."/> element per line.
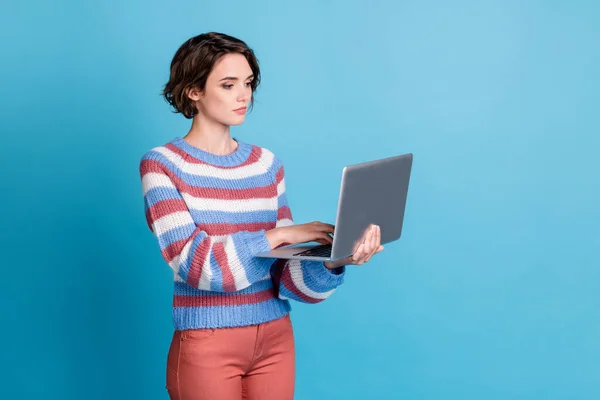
<point x="244" y="94"/>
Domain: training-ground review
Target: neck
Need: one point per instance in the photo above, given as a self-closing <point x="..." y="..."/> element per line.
<point x="210" y="136"/>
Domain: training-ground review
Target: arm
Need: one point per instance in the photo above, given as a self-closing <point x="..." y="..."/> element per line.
<point x="304" y="281"/>
<point x="224" y="263"/>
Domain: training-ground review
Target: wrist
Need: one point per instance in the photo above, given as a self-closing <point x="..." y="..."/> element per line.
<point x="275" y="237"/>
<point x="331" y="265"/>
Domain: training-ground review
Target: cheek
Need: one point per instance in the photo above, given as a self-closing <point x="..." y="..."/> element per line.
<point x="216" y="101"/>
<point x="224" y="99"/>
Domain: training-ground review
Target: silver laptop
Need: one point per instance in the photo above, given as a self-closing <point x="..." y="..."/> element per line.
<point x="373" y="192"/>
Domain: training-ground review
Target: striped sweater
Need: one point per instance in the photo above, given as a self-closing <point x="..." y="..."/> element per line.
<point x="210" y="214"/>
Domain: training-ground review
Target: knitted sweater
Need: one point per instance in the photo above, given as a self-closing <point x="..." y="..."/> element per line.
<point x="210" y="214"/>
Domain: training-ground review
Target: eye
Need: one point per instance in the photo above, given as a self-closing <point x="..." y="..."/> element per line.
<point x="227" y="86"/>
<point x="249" y="84"/>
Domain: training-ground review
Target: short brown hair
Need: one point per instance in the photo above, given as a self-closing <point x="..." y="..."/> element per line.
<point x="194" y="61"/>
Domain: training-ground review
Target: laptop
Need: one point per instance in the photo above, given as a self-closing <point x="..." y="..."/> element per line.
<point x="372" y="192"/>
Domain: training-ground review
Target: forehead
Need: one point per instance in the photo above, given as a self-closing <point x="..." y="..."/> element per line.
<point x="234" y="65"/>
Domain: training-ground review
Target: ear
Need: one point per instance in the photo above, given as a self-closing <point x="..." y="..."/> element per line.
<point x="194" y="94"/>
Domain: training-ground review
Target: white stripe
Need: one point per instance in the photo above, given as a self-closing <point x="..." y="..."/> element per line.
<point x="174" y="264"/>
<point x="218" y="238"/>
<point x="183" y="256"/>
<point x="256" y="204"/>
<point x="206" y="274"/>
<point x="281" y="187"/>
<point x="171" y="221"/>
<point x="153" y="180"/>
<point x="257" y="168"/>
<point x="236" y="267"/>
<point x="284" y="222"/>
<point x="239" y="274"/>
<point x="298" y="279"/>
<point x="264" y="278"/>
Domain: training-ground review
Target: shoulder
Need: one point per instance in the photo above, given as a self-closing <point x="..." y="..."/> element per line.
<point x="268" y="159"/>
<point x="154" y="154"/>
<point x="158" y="158"/>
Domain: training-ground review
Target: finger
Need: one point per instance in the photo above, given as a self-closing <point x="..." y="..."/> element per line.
<point x="369" y="240"/>
<point x="357" y="254"/>
<point x="363" y="253"/>
<point x="367" y="233"/>
<point x="325" y="237"/>
<point x="323" y="241"/>
<point x="379" y="250"/>
<point x="378" y="238"/>
<point x="376" y="241"/>
<point x="372" y="244"/>
<point x="327" y="227"/>
<point x="362" y="250"/>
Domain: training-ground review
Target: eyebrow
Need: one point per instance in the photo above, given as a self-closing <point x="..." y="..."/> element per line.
<point x="233" y="78"/>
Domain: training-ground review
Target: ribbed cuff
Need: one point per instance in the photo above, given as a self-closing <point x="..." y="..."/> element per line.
<point x="321" y="277"/>
<point x="257" y="242"/>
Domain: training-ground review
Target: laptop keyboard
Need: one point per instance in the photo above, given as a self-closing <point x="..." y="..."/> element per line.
<point x="317" y="251"/>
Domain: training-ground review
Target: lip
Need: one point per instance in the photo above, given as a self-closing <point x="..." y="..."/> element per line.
<point x="241" y="110"/>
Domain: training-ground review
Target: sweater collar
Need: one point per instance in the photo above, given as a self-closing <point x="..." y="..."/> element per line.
<point x="239" y="156"/>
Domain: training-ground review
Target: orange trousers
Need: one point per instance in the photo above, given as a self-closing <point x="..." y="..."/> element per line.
<point x="251" y="363"/>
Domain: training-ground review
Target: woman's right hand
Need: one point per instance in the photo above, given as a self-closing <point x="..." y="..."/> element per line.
<point x="311" y="232"/>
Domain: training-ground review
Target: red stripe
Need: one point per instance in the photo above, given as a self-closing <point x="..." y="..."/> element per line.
<point x="284" y="213"/>
<point x="221" y="257"/>
<point x="279" y="175"/>
<point x="252" y="158"/>
<point x="229" y="229"/>
<point x="286" y="279"/>
<point x="262" y="192"/>
<point x="223" y="299"/>
<point x="147" y="166"/>
<point x="165" y="207"/>
<point x="195" y="272"/>
<point x="174" y="249"/>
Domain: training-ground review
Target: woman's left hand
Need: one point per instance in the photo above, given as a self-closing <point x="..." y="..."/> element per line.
<point x="370" y="246"/>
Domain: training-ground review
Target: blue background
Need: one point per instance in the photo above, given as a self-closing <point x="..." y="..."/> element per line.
<point x="492" y="292"/>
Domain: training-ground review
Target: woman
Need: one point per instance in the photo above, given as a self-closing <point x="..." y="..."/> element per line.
<point x="213" y="202"/>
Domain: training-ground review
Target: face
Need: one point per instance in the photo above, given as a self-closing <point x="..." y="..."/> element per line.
<point x="227" y="91"/>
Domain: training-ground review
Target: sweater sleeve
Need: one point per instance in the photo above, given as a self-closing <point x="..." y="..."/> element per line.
<point x="221" y="264"/>
<point x="301" y="280"/>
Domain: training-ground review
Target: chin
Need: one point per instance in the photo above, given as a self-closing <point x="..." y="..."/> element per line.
<point x="236" y="121"/>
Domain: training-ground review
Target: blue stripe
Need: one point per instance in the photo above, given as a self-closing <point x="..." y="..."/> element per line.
<point x="216" y="283"/>
<point x="254" y="267"/>
<point x="215" y="217"/>
<point x="183" y="272"/>
<point x="160" y="193"/>
<point x="265" y="179"/>
<point x="182" y="289"/>
<point x="282" y="200"/>
<point x="318" y="278"/>
<point x="184" y="268"/>
<point x="173" y="235"/>
<point x="287" y="293"/>
<point x="229" y="316"/>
